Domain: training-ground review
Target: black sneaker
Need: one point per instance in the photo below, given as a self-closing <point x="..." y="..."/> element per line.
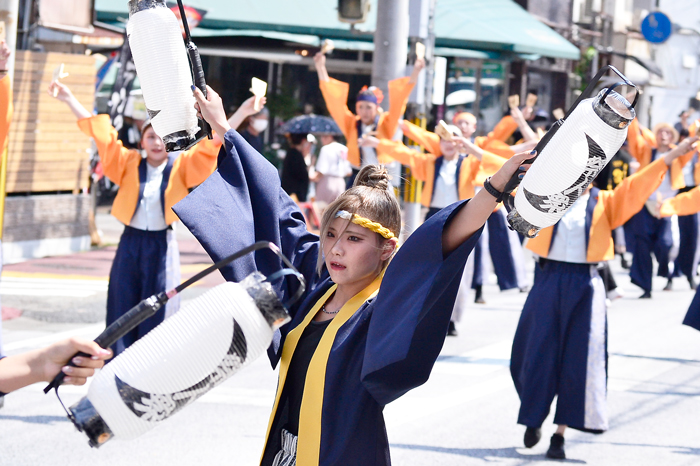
<point x="646" y="295"/>
<point x="669" y="285"/>
<point x="556" y="448"/>
<point x="452" y="330"/>
<point x="532" y="436"/>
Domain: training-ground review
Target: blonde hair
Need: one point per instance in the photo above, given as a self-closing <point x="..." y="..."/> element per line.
<point x="372" y="197"/>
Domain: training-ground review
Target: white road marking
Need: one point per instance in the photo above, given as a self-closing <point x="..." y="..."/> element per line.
<point x="59" y="287"/>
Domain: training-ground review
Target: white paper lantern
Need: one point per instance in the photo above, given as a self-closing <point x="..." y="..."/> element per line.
<point x="163" y="69"/>
<point x="181" y="359"/>
<point x="568" y="163"/>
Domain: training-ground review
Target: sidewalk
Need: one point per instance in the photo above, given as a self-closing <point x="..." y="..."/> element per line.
<point x="72" y="288"/>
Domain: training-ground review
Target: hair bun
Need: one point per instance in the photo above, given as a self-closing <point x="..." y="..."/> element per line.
<point x="373" y="176"/>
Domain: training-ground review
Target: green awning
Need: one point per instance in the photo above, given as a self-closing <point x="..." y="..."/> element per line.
<point x="499" y="25"/>
<point x="489" y="26"/>
<point x="465" y="53"/>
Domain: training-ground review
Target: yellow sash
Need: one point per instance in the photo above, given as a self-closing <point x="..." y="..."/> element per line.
<point x="309" y="442"/>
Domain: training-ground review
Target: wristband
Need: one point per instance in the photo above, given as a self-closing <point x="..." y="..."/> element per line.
<point x="493" y="191"/>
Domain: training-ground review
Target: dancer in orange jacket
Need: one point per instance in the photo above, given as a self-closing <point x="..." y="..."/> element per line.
<point x="368" y="119"/>
<point x="147" y="259"/>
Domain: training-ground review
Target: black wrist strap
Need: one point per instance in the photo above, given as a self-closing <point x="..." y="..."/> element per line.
<point x="493" y="191"/>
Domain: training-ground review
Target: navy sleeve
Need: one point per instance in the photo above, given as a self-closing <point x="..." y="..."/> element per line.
<point x="412" y="310"/>
<point x="241" y="203"/>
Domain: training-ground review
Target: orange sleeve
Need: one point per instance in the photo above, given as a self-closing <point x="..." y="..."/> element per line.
<point x="469" y="177"/>
<point x="199" y="162"/>
<point x="490" y="164"/>
<point x="335" y="93"/>
<point x="417" y="161"/>
<point x="640" y="142"/>
<point x="504" y="129"/>
<point x="429" y="140"/>
<point x="687" y="203"/>
<point x="5" y="110"/>
<point x="113" y="155"/>
<point x="399" y="91"/>
<point x="629" y="197"/>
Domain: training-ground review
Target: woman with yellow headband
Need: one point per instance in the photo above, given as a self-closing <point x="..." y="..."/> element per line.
<point x="372" y="321"/>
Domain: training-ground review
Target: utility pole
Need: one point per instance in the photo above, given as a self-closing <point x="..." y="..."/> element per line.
<point x="421" y="14"/>
<point x="389" y="60"/>
<point x="390" y="44"/>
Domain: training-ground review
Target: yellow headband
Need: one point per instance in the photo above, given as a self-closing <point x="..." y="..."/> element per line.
<point x="365" y="222"/>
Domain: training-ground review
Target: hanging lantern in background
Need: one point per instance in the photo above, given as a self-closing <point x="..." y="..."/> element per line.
<point x="163" y="69"/>
<point x="569" y="157"/>
<point x="180" y="360"/>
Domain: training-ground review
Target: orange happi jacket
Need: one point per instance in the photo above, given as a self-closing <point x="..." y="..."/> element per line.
<point x="641" y="142"/>
<point x="611" y="209"/>
<point x="687" y="203"/>
<point x="493" y="143"/>
<point x="423" y="168"/>
<point x="121" y="166"/>
<point x="5" y="110"/>
<point x="335" y="93"/>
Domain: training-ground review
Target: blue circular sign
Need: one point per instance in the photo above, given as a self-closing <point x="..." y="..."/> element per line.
<point x="656" y="27"/>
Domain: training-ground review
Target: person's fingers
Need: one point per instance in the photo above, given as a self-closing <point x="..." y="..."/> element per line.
<point x="523" y="156"/>
<point x="91" y="348"/>
<point x="211" y="94"/>
<point x="70" y="380"/>
<point x="199" y="97"/>
<point x="93" y="362"/>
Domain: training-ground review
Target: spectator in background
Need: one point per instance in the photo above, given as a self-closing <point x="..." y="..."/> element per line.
<point x="295" y="168"/>
<point x="332" y="167"/>
<point x="252" y="128"/>
<point x="682" y="125"/>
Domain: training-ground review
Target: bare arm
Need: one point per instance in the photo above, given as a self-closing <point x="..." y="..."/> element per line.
<point x="683" y="147"/>
<point x="246" y="109"/>
<point x="473" y="216"/>
<point x="528" y="133"/>
<point x="417" y="68"/>
<point x="469" y="147"/>
<point x="44" y="364"/>
<point x="320" y="63"/>
<point x="66" y="96"/>
<point x="524" y="146"/>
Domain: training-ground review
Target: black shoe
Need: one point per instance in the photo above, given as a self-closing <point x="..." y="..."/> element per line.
<point x="669" y="285"/>
<point x="624" y="263"/>
<point x="479" y="297"/>
<point x="532" y="436"/>
<point x="556" y="448"/>
<point x="646" y="295"/>
<point x="452" y="330"/>
<point x="691" y="282"/>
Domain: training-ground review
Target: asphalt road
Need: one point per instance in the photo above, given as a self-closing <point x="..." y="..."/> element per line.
<point x="464" y="415"/>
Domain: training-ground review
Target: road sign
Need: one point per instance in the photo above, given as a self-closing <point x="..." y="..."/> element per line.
<point x="656" y="27"/>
